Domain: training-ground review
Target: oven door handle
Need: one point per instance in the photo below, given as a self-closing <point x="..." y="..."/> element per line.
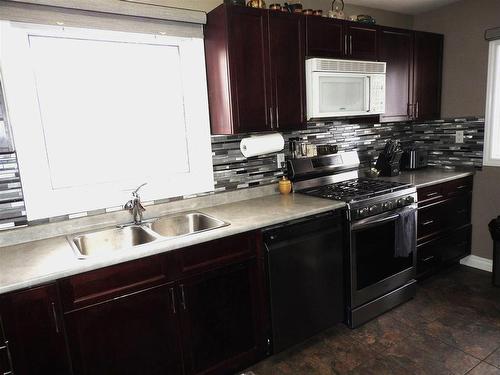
<point x="379" y="219"/>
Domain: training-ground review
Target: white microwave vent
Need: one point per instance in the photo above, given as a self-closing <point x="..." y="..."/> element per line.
<point x="348" y="66"/>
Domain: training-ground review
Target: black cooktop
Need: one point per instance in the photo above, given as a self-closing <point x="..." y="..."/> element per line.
<point x="356" y="189"/>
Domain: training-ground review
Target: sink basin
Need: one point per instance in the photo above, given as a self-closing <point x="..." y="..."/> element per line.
<point x="109" y="240"/>
<point x="184" y="224"/>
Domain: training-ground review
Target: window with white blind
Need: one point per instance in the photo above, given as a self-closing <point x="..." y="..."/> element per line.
<point x="492" y="120"/>
<point x="96" y="113"/>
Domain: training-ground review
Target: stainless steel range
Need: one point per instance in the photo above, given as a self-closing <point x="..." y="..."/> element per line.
<point x="381" y="231"/>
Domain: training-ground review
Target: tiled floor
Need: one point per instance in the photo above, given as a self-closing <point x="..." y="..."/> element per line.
<point x="451" y="327"/>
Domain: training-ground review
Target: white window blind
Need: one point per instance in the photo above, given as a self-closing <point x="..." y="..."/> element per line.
<point x="96" y="113"/>
<point x="492" y="120"/>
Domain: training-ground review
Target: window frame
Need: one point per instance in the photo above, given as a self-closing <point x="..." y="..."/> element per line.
<point x="113" y="195"/>
<point x="492" y="115"/>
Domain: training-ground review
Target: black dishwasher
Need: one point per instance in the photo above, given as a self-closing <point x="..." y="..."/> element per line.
<point x="305" y="274"/>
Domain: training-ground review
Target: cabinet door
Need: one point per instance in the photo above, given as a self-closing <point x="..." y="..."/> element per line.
<point x="396" y="49"/>
<point x="324" y="37"/>
<point x="361" y="42"/>
<point x="34" y="331"/>
<point x="427" y="75"/>
<point x="220" y="319"/>
<point x="249" y="69"/>
<point x="286" y="39"/>
<point x="134" y="334"/>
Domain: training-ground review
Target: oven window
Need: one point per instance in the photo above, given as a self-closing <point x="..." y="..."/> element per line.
<point x="374" y="254"/>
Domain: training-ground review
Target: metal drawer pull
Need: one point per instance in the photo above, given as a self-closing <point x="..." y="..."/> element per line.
<point x="54" y="315"/>
<point x="432" y="194"/>
<point x="462" y="211"/>
<point x="183" y="298"/>
<point x="428" y="258"/>
<point x="172" y="298"/>
<point x="271" y="117"/>
<point x="461" y="187"/>
<point x="428" y="222"/>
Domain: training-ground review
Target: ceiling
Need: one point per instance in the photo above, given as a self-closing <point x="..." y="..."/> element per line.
<point x="403" y="6"/>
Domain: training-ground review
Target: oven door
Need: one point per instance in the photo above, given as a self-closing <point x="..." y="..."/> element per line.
<point x="375" y="268"/>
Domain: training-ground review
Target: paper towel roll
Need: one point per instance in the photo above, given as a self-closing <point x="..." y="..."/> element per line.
<point x="262" y="144"/>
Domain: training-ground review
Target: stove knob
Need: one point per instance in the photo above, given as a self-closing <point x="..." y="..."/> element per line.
<point x="372" y="209"/>
<point x="388" y="205"/>
<point x="409" y="200"/>
<point x="363" y="211"/>
<point x="401" y="202"/>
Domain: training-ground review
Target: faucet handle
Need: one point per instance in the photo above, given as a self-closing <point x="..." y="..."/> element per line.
<point x="135" y="193"/>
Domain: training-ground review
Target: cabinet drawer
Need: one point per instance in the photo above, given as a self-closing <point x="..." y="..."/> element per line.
<point x="458" y="187"/>
<point x="427" y="259"/>
<point x="430" y="194"/>
<point x="213" y="254"/>
<point x="107" y="283"/>
<point x="431" y="219"/>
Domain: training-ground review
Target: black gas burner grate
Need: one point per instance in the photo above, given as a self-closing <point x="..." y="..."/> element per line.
<point x="356" y="189"/>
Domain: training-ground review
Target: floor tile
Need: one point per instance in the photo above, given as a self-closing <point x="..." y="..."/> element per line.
<point x="380" y="365"/>
<point x="381" y="333"/>
<point x="494" y="358"/>
<point x="423" y="354"/>
<point x="474" y="336"/>
<point x="484" y="369"/>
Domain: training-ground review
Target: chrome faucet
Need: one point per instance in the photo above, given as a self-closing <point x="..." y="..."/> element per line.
<point x="135" y="206"/>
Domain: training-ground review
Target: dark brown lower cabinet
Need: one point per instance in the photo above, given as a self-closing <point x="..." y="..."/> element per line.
<point x="220" y="320"/>
<point x="133" y="334"/>
<point x="444" y="225"/>
<point x="34" y="333"/>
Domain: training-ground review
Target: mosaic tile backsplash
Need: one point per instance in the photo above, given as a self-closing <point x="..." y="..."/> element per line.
<point x="233" y="171"/>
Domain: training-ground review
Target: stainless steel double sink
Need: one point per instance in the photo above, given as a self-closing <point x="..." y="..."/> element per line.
<point x="109" y="240"/>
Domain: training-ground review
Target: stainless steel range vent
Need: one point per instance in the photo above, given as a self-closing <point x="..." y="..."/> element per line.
<point x="348" y="66"/>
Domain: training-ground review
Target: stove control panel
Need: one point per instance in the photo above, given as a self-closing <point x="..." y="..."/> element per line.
<point x="379" y="207"/>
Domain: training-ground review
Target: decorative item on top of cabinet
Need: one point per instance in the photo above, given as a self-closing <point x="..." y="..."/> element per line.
<point x="256" y="3"/>
<point x="255" y="69"/>
<point x="34" y="332"/>
<point x="336" y="11"/>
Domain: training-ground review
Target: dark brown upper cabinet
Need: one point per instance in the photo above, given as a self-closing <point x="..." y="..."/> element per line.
<point x="333" y="38"/>
<point x="255" y="73"/>
<point x="34" y="332"/>
<point x="361" y="41"/>
<point x="413" y="81"/>
<point x="427" y="75"/>
<point x="325" y="37"/>
<point x="396" y="49"/>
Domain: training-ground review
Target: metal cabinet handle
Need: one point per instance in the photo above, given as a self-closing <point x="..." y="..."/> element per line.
<point x="350" y="45"/>
<point x="183" y="297"/>
<point x="345" y="45"/>
<point x="271" y="117"/>
<point x="172" y="299"/>
<point x="428" y="222"/>
<point x="461" y="187"/>
<point x="54" y="315"/>
<point x="428" y="258"/>
<point x="417" y="110"/>
<point x="432" y="194"/>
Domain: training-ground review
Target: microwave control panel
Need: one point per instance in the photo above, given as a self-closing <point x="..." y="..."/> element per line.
<point x="377" y="93"/>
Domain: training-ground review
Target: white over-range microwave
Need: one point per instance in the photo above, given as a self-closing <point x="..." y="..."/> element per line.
<point x="340" y="88"/>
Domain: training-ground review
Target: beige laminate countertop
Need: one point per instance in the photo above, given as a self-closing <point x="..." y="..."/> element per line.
<point x="33" y="263"/>
<point x="428" y="176"/>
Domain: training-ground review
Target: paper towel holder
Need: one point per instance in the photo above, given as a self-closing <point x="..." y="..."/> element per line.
<point x="262" y="144"/>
